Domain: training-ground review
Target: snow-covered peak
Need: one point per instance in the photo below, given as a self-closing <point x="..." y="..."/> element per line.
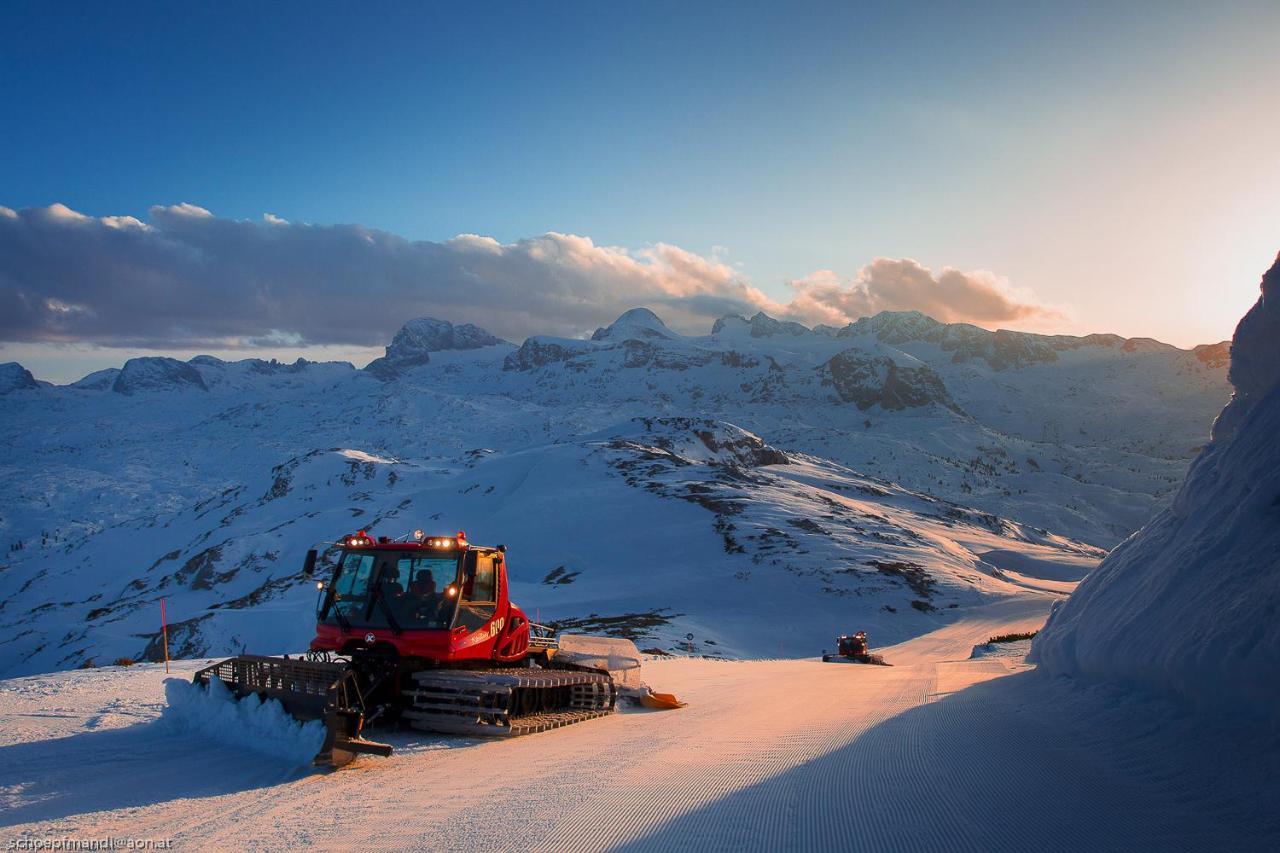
<point x="416" y="339"/>
<point x="157" y="373"/>
<point x="894" y="327"/>
<point x="636" y="324"/>
<point x="15" y="377"/>
<point x="730" y="324"/>
<point x="99" y="380"/>
<point x="764" y="326"/>
<point x="428" y="334"/>
<point x="761" y="325"/>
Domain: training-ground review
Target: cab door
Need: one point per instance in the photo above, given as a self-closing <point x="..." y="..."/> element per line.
<point x="479" y="599"/>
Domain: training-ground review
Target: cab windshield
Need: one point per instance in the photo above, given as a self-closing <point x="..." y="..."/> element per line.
<point x="392" y="589"/>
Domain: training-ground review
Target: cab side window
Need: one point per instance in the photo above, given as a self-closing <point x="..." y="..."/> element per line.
<point x="482" y="587"/>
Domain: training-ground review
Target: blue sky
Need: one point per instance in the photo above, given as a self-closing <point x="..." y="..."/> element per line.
<point x="1113" y="162"/>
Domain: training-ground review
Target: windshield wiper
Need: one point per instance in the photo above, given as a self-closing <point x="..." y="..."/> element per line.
<point x="386" y="609"/>
<point x="342" y="620"/>
<point x="331" y="604"/>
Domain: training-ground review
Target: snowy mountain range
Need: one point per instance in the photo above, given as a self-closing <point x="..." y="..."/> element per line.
<point x="762" y="487"/>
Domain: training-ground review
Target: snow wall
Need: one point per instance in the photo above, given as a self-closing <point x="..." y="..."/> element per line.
<point x="1190" y="604"/>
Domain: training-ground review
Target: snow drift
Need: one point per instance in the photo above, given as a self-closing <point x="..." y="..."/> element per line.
<point x="250" y="722"/>
<point x="1190" y="605"/>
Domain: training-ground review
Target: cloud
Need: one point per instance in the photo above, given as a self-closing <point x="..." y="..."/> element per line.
<point x="188" y="278"/>
<point x="886" y="284"/>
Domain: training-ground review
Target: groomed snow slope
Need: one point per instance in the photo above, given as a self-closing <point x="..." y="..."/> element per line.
<point x="1190" y="605"/>
<point x="938" y="752"/>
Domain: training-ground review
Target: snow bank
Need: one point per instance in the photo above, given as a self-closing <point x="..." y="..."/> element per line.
<point x="250" y="722"/>
<point x="1190" y="605"/>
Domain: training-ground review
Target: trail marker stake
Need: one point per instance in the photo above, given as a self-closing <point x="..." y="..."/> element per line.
<point x="164" y="629"/>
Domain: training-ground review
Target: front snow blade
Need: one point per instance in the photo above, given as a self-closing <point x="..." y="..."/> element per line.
<point x="308" y="690"/>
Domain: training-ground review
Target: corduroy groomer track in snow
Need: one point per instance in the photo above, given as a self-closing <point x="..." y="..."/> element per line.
<point x="939" y="752"/>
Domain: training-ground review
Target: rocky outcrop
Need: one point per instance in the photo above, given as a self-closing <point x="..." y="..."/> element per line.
<point x="1213" y="355"/>
<point x="700" y="441"/>
<point x="896" y="327"/>
<point x="868" y="380"/>
<point x="759" y="326"/>
<point x="764" y="326"/>
<point x="276" y="368"/>
<point x="536" y="352"/>
<point x="157" y="373"/>
<point x="417" y="339"/>
<point x="1002" y="349"/>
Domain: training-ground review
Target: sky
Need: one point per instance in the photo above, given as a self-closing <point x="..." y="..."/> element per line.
<point x="300" y="179"/>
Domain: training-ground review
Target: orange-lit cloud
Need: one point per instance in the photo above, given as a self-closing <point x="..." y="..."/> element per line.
<point x="886" y="284"/>
<point x="188" y="278"/>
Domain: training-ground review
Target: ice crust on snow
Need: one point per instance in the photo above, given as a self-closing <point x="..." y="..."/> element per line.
<point x="1188" y="605"/>
<point x="263" y="726"/>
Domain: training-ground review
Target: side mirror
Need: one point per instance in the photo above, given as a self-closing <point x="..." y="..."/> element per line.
<point x="309" y="564"/>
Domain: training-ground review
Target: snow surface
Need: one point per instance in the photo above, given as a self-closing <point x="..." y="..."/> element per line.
<point x="936" y="752"/>
<point x="1189" y="605"/>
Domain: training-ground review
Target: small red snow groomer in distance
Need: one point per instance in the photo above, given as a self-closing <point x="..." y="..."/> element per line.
<point x="853" y="647"/>
<point x="422" y="629"/>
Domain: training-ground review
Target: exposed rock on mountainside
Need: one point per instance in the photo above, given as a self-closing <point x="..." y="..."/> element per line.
<point x="707" y="441"/>
<point x="868" y="381"/>
<point x="1214" y="355"/>
<point x="1189" y="605"/>
<point x="157" y="373"/>
<point x="759" y="326"/>
<point x="535" y="352"/>
<point x="1001" y="349"/>
<point x="417" y="339"/>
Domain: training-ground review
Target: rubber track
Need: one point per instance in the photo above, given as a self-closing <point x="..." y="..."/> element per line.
<point x="487" y="702"/>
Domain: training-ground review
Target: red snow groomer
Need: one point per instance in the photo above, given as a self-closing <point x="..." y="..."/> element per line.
<point x="423" y="630"/>
<point x="853" y="647"/>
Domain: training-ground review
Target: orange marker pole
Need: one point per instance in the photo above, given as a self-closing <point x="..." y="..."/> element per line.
<point x="164" y="628"/>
